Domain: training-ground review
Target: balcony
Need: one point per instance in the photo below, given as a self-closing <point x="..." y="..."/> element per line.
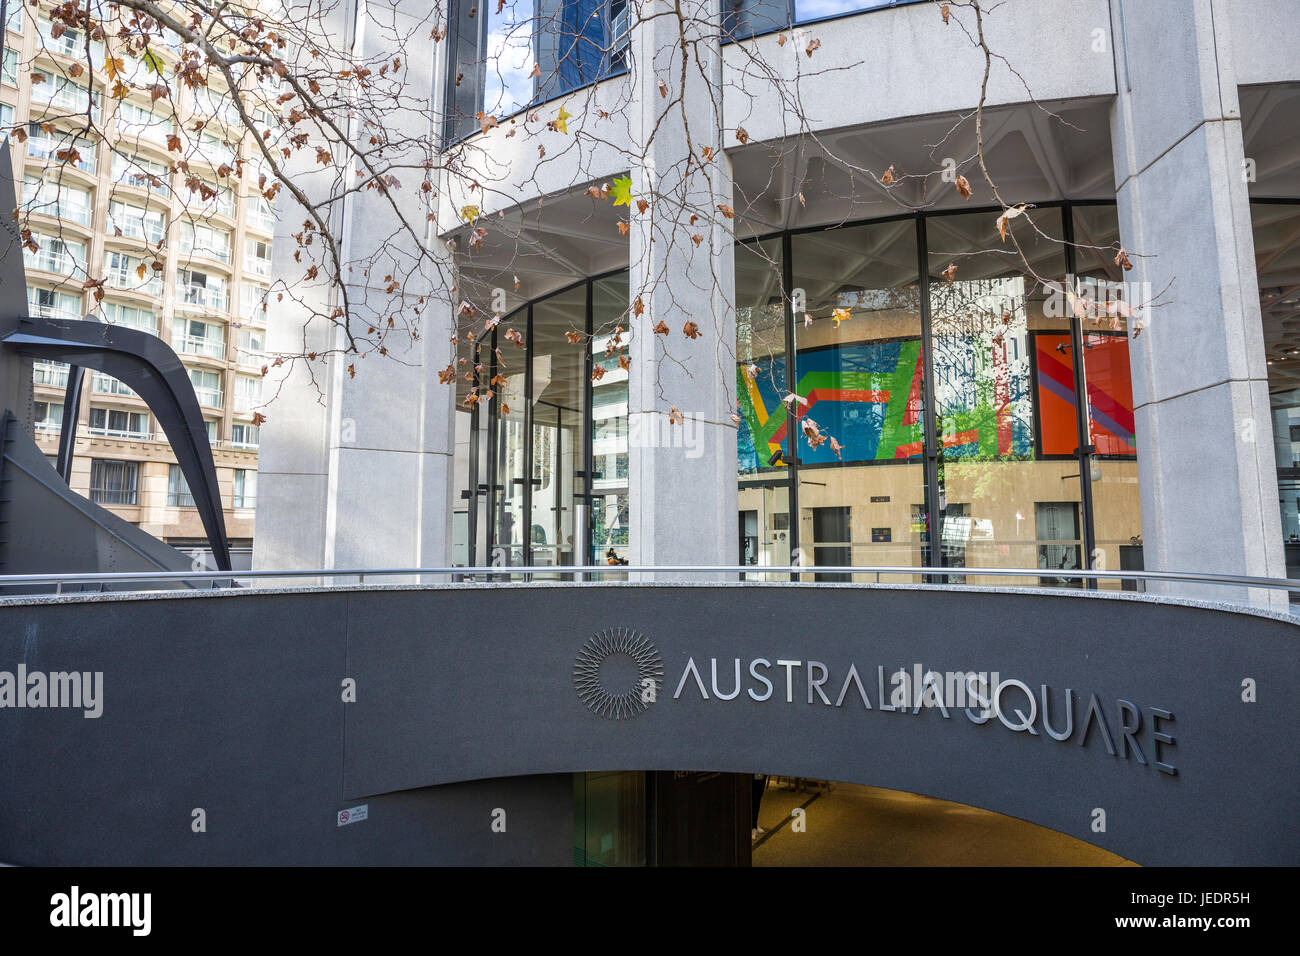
<point x="209" y="397"/>
<point x="61" y="94"/>
<point x="215" y="253"/>
<point x="256" y="266"/>
<point x="250" y="358"/>
<point x="130" y="224"/>
<point x="129" y="282"/>
<point x="53" y="374"/>
<point x="52" y="259"/>
<point x="48" y="147"/>
<point x="199" y="345"/>
<point x="67" y="207"/>
<point x="120" y="433"/>
<point x="107" y="385"/>
<point x="244" y="404"/>
<point x="201" y="297"/>
<point x="260" y="221"/>
<point x="141" y="174"/>
<point x="72" y="43"/>
<point x="52" y="311"/>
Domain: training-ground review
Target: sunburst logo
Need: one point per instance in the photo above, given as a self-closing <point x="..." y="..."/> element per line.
<point x="618" y="673"/>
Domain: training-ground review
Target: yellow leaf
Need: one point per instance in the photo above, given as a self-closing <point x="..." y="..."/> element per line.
<point x="562" y="120"/>
<point x="622" y="191"/>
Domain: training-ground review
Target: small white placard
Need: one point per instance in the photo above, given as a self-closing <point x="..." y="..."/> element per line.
<point x="354" y="814"/>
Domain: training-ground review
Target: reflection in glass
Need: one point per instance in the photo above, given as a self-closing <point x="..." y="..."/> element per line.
<point x="1276" y="233"/>
<point x="860" y="381"/>
<point x="764" y="490"/>
<point x="509" y="55"/>
<point x="609" y="812"/>
<point x="820" y="9"/>
<point x="993" y="326"/>
<point x="1112" y="431"/>
<point x="506" y="463"/>
<point x="609" y="439"/>
<point x="559" y="426"/>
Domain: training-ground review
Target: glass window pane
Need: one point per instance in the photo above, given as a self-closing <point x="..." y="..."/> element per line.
<point x="505" y="452"/>
<point x="1276" y="231"/>
<point x="860" y="383"/>
<point x="761" y="444"/>
<point x="747" y="18"/>
<point x="609" y="516"/>
<point x="997" y="328"/>
<point x="1116" y="506"/>
<point x="559" y="426"/>
<point x="820" y="9"/>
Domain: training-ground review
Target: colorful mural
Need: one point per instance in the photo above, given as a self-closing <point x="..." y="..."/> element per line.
<point x="1110" y="394"/>
<point x="869" y="397"/>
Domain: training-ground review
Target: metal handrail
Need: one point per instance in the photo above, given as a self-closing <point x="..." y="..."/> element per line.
<point x="129" y="577"/>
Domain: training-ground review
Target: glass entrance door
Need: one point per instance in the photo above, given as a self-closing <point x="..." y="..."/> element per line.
<point x="559" y="426"/>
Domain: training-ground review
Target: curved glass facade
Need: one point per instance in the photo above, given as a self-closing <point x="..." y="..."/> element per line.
<point x="542" y="466"/>
<point x="936" y="421"/>
<point x="937" y="413"/>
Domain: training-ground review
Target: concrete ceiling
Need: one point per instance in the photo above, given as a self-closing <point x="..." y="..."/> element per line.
<point x="1038" y="154"/>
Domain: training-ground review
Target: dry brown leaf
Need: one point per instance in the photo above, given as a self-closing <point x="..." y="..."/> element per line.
<point x="1010" y="213"/>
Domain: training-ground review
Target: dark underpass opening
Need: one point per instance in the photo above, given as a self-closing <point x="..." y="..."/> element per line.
<point x="696" y="818"/>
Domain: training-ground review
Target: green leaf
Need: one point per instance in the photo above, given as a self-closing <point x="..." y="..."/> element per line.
<point x="153" y="62"/>
<point x="622" y="191"/>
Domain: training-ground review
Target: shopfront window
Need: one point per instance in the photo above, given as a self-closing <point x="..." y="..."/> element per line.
<point x="507" y="464"/>
<point x="761" y="383"/>
<point x="559" y="426"/>
<point x="851" y="460"/>
<point x="860" y="381"/>
<point x="1276" y="229"/>
<point x="553" y="436"/>
<point x="1112" y="429"/>
<point x="987" y="315"/>
<point x="610" y="530"/>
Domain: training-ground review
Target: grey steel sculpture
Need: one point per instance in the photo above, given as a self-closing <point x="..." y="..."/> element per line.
<point x="140" y="360"/>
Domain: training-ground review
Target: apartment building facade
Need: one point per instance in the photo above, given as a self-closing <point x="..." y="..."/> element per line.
<point x="190" y="266"/>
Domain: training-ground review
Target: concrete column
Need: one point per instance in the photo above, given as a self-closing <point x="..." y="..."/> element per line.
<point x="682" y="476"/>
<point x="1200" y="389"/>
<point x="356" y="465"/>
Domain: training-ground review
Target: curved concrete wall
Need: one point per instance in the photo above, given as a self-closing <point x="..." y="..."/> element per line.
<point x="232" y="702"/>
